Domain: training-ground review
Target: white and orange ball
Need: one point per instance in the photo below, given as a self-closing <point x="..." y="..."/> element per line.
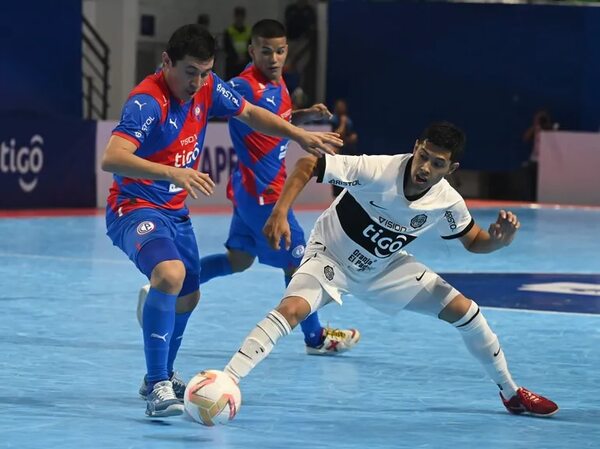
<point x="212" y="397"/>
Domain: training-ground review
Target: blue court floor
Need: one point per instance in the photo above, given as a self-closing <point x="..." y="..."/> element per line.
<point x="71" y="351"/>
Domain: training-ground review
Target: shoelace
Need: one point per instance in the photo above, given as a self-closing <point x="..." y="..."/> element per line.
<point x="529" y="396"/>
<point x="164" y="393"/>
<point x="335" y="333"/>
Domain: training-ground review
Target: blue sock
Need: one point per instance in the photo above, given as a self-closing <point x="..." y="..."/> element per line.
<point x="214" y="266"/>
<point x="311" y="326"/>
<point x="159" y="320"/>
<point x="181" y="320"/>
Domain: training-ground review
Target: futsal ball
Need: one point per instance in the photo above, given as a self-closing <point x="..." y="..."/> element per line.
<point x="212" y="397"/>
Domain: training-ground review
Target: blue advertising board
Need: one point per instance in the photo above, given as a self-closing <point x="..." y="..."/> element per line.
<point x="46" y="162"/>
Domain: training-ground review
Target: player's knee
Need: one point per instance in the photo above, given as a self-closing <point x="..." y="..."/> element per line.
<point x="456" y="309"/>
<point x="295" y="309"/>
<point x="168" y="276"/>
<point x="239" y="260"/>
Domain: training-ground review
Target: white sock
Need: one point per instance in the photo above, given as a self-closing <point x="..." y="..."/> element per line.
<point x="484" y="345"/>
<point x="258" y="344"/>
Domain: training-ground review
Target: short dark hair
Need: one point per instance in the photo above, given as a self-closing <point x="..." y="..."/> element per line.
<point x="191" y="40"/>
<point x="447" y="136"/>
<point x="239" y="11"/>
<point x="268" y="28"/>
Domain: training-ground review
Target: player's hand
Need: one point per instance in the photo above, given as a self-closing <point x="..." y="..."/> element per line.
<point x="318" y="143"/>
<point x="319" y="112"/>
<point x="504" y="230"/>
<point x="276" y="228"/>
<point x="191" y="180"/>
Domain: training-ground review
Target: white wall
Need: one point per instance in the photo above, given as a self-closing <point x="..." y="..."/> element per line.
<point x="117" y="22"/>
<point x="568" y="168"/>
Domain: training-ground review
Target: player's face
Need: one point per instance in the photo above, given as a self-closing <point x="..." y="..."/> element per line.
<point x="268" y="55"/>
<point x="186" y="76"/>
<point x="430" y="164"/>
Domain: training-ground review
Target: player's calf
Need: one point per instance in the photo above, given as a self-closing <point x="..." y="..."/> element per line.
<point x="294" y="309"/>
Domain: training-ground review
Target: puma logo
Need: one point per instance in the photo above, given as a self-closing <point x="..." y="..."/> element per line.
<point x="271" y="100"/>
<point x="173" y="122"/>
<point x="141" y="105"/>
<point x="160" y="337"/>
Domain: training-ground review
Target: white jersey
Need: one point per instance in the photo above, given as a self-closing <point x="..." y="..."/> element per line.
<point x="369" y="225"/>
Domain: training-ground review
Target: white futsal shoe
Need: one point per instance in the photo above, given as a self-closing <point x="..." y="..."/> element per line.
<point x="335" y="342"/>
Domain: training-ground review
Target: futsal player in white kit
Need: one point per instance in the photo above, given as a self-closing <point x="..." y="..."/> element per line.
<point x="358" y="246"/>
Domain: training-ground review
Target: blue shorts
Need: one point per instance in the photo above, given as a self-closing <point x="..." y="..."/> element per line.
<point x="245" y="234"/>
<point x="138" y="228"/>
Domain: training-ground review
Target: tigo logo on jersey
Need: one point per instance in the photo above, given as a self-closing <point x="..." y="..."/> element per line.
<point x="145" y="227"/>
<point x="24" y="161"/>
<point x="298" y="251"/>
<point x="187" y="158"/>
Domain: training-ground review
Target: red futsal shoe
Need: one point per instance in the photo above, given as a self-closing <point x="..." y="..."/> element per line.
<point x="528" y="402"/>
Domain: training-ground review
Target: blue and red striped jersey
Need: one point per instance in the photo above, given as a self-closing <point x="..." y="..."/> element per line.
<point x="260" y="171"/>
<point x="170" y="132"/>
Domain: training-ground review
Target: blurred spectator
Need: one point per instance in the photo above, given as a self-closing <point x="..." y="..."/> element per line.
<point x="299" y="99"/>
<point x="301" y="25"/>
<point x="236" y="39"/>
<point x="342" y="124"/>
<point x="542" y="121"/>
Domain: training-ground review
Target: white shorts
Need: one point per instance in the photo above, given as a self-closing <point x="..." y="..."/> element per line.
<point x="405" y="283"/>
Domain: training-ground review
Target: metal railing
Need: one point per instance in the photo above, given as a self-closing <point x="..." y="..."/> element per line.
<point x="95" y="65"/>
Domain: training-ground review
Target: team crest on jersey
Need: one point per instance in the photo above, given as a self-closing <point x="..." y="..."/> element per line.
<point x="418" y="221"/>
<point x="298" y="251"/>
<point x="328" y="272"/>
<point x="198" y="113"/>
<point x="145" y="227"/>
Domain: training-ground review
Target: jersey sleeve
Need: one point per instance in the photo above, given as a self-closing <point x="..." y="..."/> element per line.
<point x="456" y="222"/>
<point x="226" y="102"/>
<point x="140" y="115"/>
<point x="242" y="87"/>
<point x="350" y="172"/>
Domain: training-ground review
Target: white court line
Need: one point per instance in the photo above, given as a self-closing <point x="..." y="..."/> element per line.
<point x="67" y="259"/>
<point x="548" y="312"/>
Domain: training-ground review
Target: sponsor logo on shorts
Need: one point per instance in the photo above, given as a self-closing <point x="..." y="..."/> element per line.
<point x="418" y="221"/>
<point x="145" y="227"/>
<point x="328" y="272"/>
<point x="298" y="251"/>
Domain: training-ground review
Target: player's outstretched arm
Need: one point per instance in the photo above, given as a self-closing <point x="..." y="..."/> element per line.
<point x="317" y="112"/>
<point x="500" y="234"/>
<point x="315" y="143"/>
<point x="119" y="158"/>
<point x="277" y="227"/>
